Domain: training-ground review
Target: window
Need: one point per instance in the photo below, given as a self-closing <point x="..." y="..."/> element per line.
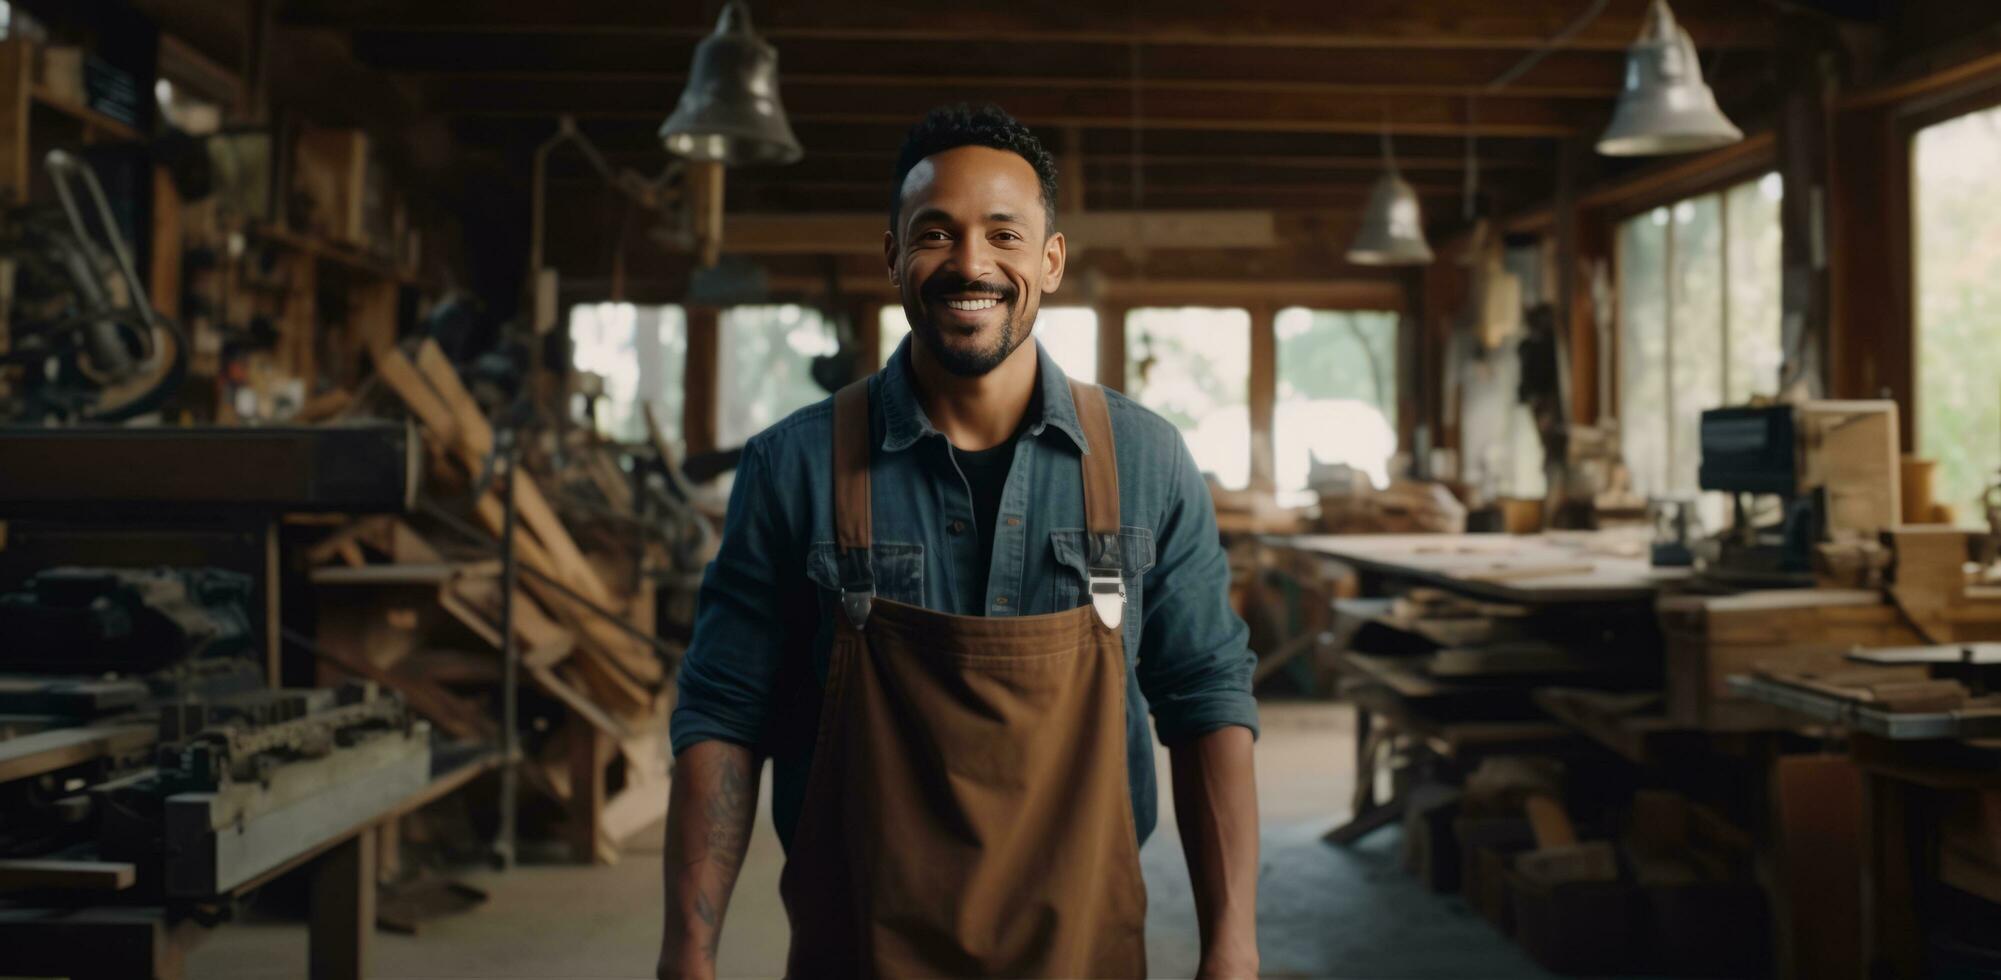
<point x="1337" y="395"/>
<point x="1956" y="207"/>
<point x="1193" y="366"/>
<point x="1698" y="324"/>
<point x="1068" y="333"/>
<point x="639" y="352"/>
<point x="767" y="357"/>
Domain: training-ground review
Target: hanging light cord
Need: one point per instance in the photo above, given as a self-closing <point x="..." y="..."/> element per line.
<point x="1506" y="78"/>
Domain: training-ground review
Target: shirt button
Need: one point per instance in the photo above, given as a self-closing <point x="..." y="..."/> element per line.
<point x="1014" y="522"/>
<point x="1000" y="600"/>
<point x="956" y="527"/>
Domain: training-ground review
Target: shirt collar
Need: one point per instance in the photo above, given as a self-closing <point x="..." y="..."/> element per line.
<point x="904" y="421"/>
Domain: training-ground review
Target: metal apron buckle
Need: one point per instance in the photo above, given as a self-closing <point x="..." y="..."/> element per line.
<point x="857" y="605"/>
<point x="1108" y="596"/>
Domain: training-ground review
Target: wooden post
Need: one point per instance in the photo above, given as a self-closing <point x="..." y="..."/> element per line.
<point x="343" y="910"/>
<point x="1804" y="165"/>
<point x="699" y="378"/>
<point x="705" y="205"/>
<point x="164" y="278"/>
<point x="389" y="850"/>
<point x="1892" y="938"/>
<point x="1112" y="344"/>
<point x="273" y="630"/>
<point x="588" y="748"/>
<point x="1263" y="398"/>
<point x="17" y="58"/>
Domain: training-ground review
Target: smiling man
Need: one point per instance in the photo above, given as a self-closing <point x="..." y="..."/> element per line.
<point x="946" y="600"/>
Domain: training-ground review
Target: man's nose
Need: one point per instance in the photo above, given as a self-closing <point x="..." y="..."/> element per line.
<point x="973" y="257"/>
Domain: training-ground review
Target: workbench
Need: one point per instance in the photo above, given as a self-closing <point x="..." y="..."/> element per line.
<point x="1567" y="579"/>
<point x="1553" y="568"/>
<point x="107" y="941"/>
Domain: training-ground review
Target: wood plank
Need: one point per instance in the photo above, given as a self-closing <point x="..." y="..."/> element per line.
<point x="402" y="377"/>
<point x="448" y="711"/>
<point x="42" y="752"/>
<point x="573" y="699"/>
<point x="476" y="443"/>
<point x="475" y="601"/>
<point x="24" y="873"/>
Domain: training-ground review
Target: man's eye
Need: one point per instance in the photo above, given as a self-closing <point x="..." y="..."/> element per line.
<point x="934" y="235"/>
<point x="1007" y="236"/>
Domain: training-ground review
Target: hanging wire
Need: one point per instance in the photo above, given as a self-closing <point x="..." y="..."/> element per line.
<point x="1506" y="78"/>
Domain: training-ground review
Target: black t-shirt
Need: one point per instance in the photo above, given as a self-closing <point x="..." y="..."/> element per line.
<point x="986" y="475"/>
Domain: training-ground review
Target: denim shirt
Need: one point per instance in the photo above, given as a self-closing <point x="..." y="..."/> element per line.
<point x="755" y="667"/>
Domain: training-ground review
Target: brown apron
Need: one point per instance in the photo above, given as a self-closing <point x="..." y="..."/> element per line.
<point x="967" y="813"/>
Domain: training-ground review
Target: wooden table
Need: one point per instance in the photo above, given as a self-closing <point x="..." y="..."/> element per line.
<point x="120" y="942"/>
<point x="1609" y="572"/>
<point x="1556" y="568"/>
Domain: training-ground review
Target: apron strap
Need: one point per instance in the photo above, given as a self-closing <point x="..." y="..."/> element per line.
<point x="853" y="527"/>
<point x="1101" y="503"/>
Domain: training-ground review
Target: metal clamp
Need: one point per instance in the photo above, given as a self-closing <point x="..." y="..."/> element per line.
<point x="1108" y="596"/>
<point x="857" y="604"/>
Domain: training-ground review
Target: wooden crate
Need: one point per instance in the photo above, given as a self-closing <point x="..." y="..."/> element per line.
<point x="1710" y="638"/>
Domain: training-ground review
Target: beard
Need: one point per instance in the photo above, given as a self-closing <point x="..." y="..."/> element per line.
<point x="966" y="362"/>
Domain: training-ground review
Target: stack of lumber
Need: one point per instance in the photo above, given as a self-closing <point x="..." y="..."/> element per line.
<point x="1897" y="689"/>
<point x="401" y="600"/>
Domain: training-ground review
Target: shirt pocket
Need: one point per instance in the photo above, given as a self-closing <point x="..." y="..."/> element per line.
<point x="1067" y="585"/>
<point x="899" y="572"/>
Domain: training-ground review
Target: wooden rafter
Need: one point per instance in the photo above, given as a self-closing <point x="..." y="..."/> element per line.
<point x="1277" y="23"/>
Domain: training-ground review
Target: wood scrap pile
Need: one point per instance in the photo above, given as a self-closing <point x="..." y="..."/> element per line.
<point x="416" y="603"/>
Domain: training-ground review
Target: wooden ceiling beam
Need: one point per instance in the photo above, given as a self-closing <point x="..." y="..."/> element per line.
<point x="1273" y="23"/>
<point x="1117" y="140"/>
<point x="1570" y="74"/>
<point x="1083" y="107"/>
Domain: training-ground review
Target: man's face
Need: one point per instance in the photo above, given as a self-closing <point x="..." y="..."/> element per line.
<point x="972" y="256"/>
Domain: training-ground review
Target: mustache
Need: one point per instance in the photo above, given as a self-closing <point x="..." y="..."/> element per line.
<point x="944" y="283"/>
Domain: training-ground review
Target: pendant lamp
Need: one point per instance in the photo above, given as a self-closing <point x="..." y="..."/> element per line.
<point x="1392" y="231"/>
<point x="730" y="113"/>
<point x="1665" y="107"/>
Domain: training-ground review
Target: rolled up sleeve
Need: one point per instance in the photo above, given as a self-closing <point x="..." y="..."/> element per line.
<point x="729" y="675"/>
<point x="1195" y="663"/>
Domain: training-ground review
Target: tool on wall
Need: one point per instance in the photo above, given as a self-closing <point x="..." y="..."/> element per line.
<point x="87" y="347"/>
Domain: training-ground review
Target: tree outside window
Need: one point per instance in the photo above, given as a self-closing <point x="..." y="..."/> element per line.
<point x="1698" y="326"/>
<point x="639" y="351"/>
<point x="767" y="360"/>
<point x="1337" y="395"/>
<point x="1193" y="366"/>
<point x="1957" y="212"/>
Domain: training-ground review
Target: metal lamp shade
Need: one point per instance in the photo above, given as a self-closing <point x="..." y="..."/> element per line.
<point x="1665" y="107"/>
<point x="1392" y="231"/>
<point x="730" y="112"/>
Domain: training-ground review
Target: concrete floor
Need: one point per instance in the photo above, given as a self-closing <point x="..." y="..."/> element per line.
<point x="1323" y="912"/>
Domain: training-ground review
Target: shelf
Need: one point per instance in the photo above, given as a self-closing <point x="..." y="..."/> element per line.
<point x="346" y="256"/>
<point x="91" y="118"/>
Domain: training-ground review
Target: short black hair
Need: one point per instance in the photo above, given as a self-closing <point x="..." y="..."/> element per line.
<point x="953" y="126"/>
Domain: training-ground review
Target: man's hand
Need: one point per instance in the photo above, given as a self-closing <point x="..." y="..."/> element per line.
<point x="1216" y="809"/>
<point x="709" y="812"/>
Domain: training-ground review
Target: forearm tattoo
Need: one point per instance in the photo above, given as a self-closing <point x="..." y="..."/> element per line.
<point x="711" y="866"/>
